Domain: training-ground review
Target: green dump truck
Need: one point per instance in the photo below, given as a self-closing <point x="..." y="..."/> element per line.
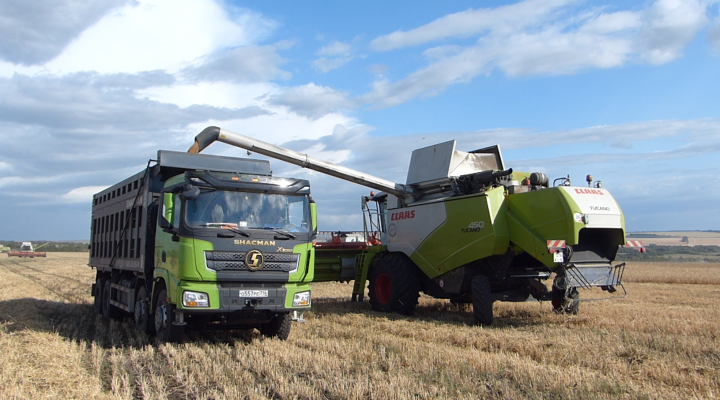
<point x="203" y="242"/>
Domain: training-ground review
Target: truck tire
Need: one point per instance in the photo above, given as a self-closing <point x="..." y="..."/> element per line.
<point x="482" y="300"/>
<point x="394" y="285"/>
<point x="569" y="305"/>
<point x="279" y="326"/>
<point x="98" y="303"/>
<point x="144" y="320"/>
<point x="165" y="330"/>
<point x="108" y="310"/>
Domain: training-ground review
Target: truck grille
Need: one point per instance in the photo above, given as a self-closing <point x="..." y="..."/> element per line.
<point x="235" y="261"/>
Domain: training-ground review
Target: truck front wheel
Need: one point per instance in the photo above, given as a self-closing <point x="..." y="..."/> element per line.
<point x="394" y="285"/>
<point x="279" y="327"/>
<point x="165" y="330"/>
<point x="482" y="300"/>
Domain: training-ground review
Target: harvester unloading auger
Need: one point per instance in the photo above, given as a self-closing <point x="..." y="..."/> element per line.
<point x="464" y="228"/>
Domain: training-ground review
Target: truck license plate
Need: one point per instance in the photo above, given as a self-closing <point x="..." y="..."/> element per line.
<point x="253" y="293"/>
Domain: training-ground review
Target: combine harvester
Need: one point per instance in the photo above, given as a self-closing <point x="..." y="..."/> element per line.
<point x="27" y="250"/>
<point x="464" y="228"/>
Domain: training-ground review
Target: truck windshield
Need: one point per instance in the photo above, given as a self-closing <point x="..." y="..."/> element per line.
<point x="245" y="210"/>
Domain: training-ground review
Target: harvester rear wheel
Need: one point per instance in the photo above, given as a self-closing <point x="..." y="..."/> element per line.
<point x="279" y="327"/>
<point x="482" y="300"/>
<point x="394" y="285"/>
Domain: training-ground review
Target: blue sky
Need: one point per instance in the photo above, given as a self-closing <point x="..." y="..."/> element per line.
<point x="625" y="91"/>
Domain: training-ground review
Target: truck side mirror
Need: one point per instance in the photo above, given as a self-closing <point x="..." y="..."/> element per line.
<point x="190" y="192"/>
<point x="164" y="223"/>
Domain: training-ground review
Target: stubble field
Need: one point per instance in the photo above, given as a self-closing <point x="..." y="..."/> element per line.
<point x="660" y="342"/>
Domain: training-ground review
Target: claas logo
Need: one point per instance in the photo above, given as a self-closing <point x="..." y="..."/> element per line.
<point x="254" y="260"/>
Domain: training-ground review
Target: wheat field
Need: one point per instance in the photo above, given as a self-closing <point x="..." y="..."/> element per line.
<point x="662" y="341"/>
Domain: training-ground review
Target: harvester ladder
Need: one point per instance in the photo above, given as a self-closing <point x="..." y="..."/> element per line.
<point x="360" y="277"/>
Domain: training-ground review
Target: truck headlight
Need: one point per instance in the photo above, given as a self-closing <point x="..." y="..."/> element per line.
<point x="195" y="299"/>
<point x="301" y="299"/>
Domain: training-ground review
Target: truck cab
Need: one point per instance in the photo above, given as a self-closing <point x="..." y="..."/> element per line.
<point x="226" y="245"/>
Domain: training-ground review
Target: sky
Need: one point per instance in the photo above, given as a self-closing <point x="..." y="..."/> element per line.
<point x="626" y="91"/>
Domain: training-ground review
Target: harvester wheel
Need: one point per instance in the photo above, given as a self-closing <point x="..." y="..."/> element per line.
<point x="279" y="327"/>
<point x="394" y="285"/>
<point x="98" y="303"/>
<point x="482" y="300"/>
<point x="562" y="304"/>
<point x="108" y="310"/>
<point x="165" y="330"/>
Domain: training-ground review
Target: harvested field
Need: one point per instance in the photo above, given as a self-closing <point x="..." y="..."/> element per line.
<point x="675" y="238"/>
<point x="663" y="341"/>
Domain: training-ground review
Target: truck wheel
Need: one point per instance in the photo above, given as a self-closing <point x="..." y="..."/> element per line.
<point x="482" y="300"/>
<point x="108" y="310"/>
<point x="164" y="318"/>
<point x="143" y="319"/>
<point x="394" y="285"/>
<point x="98" y="303"/>
<point x="561" y="304"/>
<point x="279" y="327"/>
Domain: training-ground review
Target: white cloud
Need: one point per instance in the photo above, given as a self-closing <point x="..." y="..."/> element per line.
<point x="713" y="36"/>
<point x="81" y="194"/>
<point x="471" y="22"/>
<point x="335" y="55"/>
<point x="312" y="101"/>
<point x="242" y="64"/>
<point x="669" y="26"/>
<point x="159" y="34"/>
<point x="335" y="49"/>
<point x="325" y="65"/>
<point x="539" y="37"/>
<point x="277" y="129"/>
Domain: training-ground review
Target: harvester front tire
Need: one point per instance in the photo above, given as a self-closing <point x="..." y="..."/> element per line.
<point x="165" y="330"/>
<point x="278" y="327"/>
<point x="394" y="285"/>
<point x="482" y="300"/>
<point x="569" y="305"/>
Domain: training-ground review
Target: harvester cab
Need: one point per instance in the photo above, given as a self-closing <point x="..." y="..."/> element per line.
<point x="465" y="228"/>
